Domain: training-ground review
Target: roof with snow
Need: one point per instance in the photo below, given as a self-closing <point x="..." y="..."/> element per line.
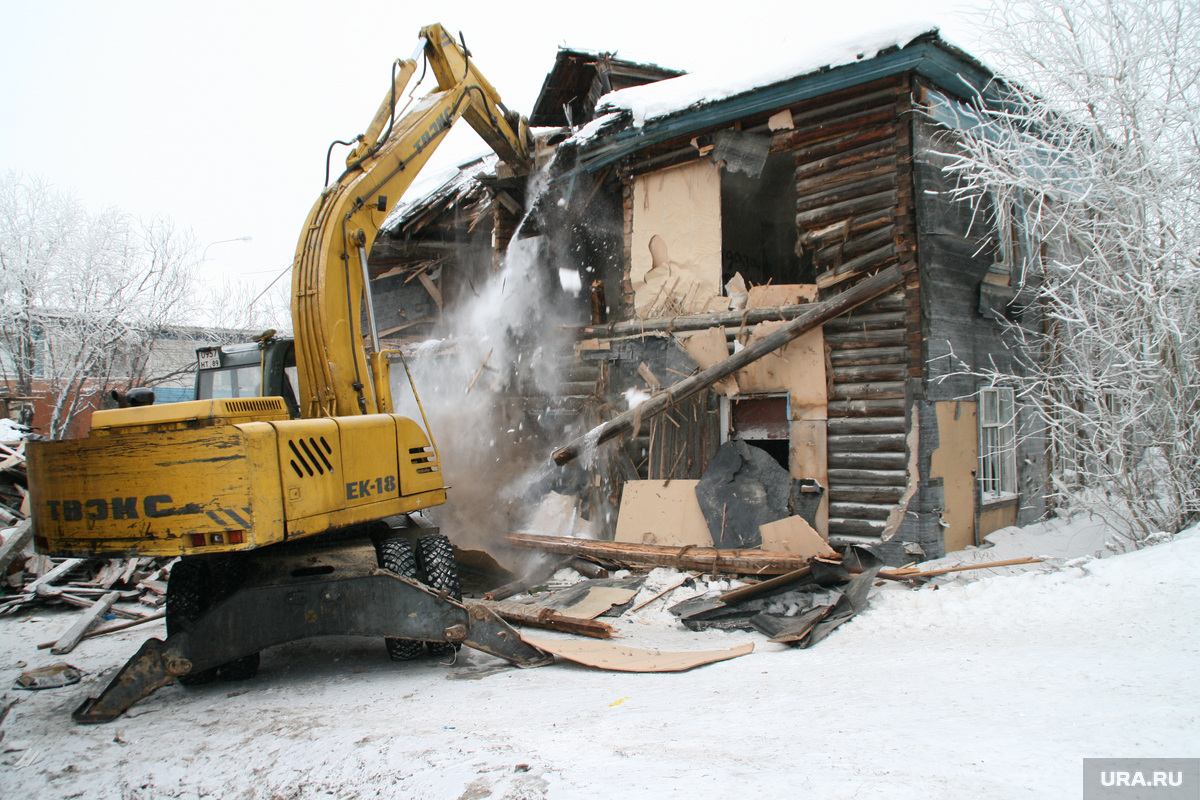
<point x="579" y="78"/>
<point x="643" y="116"/>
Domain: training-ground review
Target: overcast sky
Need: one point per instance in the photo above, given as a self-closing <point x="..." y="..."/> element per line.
<point x="218" y="114"/>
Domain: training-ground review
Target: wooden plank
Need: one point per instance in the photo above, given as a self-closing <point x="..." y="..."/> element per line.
<point x="81" y="602"/>
<point x="14" y="543"/>
<point x="818" y="314"/>
<point x="53" y="575"/>
<point x="66" y="643"/>
<point x="542" y="617"/>
<point x="107" y="629"/>
<point x="745" y="562"/>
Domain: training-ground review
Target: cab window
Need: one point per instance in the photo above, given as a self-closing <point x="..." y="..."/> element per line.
<point x="233" y="382"/>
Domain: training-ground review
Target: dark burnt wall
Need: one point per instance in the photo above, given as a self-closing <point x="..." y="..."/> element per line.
<point x="957" y="244"/>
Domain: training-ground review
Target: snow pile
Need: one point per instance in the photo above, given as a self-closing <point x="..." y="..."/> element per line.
<point x="12" y="432"/>
<point x="996" y="689"/>
<point x="675" y="94"/>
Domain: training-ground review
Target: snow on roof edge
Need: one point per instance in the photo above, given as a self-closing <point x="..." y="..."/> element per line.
<point x="666" y="97"/>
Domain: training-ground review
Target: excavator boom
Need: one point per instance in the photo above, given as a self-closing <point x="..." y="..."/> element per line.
<point x="337" y="376"/>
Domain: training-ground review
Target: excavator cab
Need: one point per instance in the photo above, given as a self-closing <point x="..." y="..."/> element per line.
<point x="263" y="368"/>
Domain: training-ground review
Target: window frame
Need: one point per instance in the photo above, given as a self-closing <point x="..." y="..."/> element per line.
<point x="997" y="444"/>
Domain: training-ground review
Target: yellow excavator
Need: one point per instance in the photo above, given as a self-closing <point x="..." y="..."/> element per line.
<point x="293" y="516"/>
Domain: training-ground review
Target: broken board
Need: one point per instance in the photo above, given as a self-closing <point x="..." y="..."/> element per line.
<point x="664" y="513"/>
<point x="610" y="656"/>
<point x="794" y="535"/>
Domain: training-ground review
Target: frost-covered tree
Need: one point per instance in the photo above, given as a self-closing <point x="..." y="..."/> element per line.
<point x="84" y="298"/>
<point x="1094" y="161"/>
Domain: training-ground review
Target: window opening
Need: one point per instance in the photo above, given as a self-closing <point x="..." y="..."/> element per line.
<point x="997" y="443"/>
<point x="758" y="225"/>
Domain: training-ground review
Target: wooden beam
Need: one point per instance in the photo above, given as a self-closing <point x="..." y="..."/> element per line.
<point x="107" y="629"/>
<point x="706" y="559"/>
<point x="66" y="643"/>
<point x="542" y="617"/>
<point x="817" y="314"/>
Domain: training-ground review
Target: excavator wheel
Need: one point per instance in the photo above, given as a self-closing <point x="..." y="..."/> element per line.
<point x="436" y="554"/>
<point x="189" y="592"/>
<point x="232" y="574"/>
<point x="396" y="555"/>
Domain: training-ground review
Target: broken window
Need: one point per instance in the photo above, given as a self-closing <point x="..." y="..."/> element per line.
<point x="758" y="225"/>
<point x="997" y="443"/>
<point x="762" y="421"/>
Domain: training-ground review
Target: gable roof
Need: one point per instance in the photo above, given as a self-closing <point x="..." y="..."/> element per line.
<point x="676" y="107"/>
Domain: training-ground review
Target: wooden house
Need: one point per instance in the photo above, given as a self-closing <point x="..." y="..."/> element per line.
<point x="701" y="216"/>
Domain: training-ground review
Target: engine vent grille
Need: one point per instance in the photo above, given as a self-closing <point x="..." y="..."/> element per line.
<point x="254" y="405"/>
<point x="310" y="456"/>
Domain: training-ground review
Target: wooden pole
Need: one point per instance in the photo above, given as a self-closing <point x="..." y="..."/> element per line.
<point x="817" y="314"/>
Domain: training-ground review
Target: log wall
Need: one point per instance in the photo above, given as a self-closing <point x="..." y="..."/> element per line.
<point x="854" y="213"/>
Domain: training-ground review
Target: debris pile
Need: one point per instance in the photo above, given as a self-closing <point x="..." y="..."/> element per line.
<point x="792" y="599"/>
<point x="14" y="485"/>
<point x="95" y="585"/>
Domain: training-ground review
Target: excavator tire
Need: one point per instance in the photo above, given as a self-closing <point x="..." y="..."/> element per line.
<point x="232" y="575"/>
<point x="189" y="592"/>
<point x="436" y="554"/>
<point x="396" y="555"/>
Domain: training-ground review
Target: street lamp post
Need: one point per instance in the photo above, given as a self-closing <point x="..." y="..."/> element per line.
<point x="204" y="255"/>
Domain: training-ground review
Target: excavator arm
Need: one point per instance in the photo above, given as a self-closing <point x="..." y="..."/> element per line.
<point x="337" y="376"/>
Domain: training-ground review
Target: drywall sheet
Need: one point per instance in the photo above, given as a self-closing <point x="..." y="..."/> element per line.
<point x="781" y="294"/>
<point x="955" y="461"/>
<point x="794" y="535"/>
<point x="555" y="516"/>
<point x="676" y="246"/>
<point x="797" y="368"/>
<point x="664" y="513"/>
<point x="607" y="655"/>
<point x="598" y="600"/>
<point x="809" y="458"/>
<point x="707" y="348"/>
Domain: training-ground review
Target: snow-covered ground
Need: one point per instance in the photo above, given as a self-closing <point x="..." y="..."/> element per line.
<point x="985" y="686"/>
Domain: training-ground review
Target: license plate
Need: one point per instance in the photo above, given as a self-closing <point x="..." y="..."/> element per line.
<point x="209" y="359"/>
